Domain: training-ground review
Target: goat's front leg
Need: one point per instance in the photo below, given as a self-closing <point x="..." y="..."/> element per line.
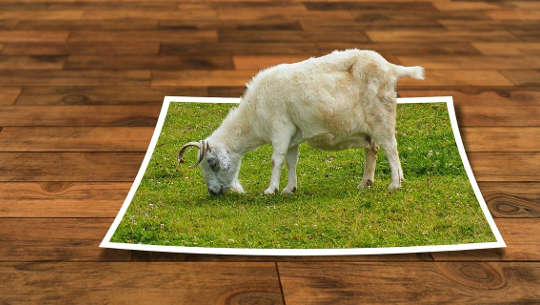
<point x="292" y="160"/>
<point x="278" y="157"/>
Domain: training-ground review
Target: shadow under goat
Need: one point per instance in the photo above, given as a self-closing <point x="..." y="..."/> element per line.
<point x="346" y="99"/>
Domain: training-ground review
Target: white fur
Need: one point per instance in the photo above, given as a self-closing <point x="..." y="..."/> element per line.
<point x="341" y="100"/>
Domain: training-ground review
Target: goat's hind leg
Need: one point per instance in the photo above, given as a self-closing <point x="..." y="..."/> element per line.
<point x="369" y="168"/>
<point x="390" y="148"/>
<point x="292" y="160"/>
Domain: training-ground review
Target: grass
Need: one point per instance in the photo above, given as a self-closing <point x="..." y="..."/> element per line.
<point x="435" y="206"/>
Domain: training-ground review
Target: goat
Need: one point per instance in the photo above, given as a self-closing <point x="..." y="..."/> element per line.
<point x="345" y="99"/>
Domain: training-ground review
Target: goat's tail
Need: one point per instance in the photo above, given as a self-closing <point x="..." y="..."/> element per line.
<point x="414" y="72"/>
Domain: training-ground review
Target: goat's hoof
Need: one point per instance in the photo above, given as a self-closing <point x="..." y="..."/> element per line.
<point x="271" y="191"/>
<point x="288" y="190"/>
<point x="394" y="186"/>
<point x="365" y="184"/>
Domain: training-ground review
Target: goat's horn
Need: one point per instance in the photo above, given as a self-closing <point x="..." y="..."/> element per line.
<point x="202" y="146"/>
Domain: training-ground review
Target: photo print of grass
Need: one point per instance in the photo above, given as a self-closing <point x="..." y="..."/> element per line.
<point x="436" y="204"/>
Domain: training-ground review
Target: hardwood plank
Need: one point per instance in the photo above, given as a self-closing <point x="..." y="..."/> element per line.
<point x="31" y="62"/>
<point x="191" y="14"/>
<point x="147" y="36"/>
<point x="20" y="243"/>
<point x="148" y="62"/>
<point x="481" y="62"/>
<point x="100" y="166"/>
<point x="128" y="24"/>
<point x="410" y="283"/>
<point x="438" y="35"/>
<point x="527" y="34"/>
<point x="35" y="48"/>
<point x="94" y="166"/>
<point x="36" y="139"/>
<point x="521" y="244"/>
<point x="8" y="95"/>
<point x="365" y="21"/>
<point x="238" y="48"/>
<point x="523" y="77"/>
<point x="517" y="166"/>
<point x="510" y="48"/>
<point x="41" y="14"/>
<point x="290" y="36"/>
<point x="397" y="49"/>
<point x="462" y="6"/>
<point x="139" y="115"/>
<point x="513" y="14"/>
<point x="261" y="62"/>
<point x="63" y="199"/>
<point x="368" y="6"/>
<point x="508" y="115"/>
<point x="141" y="283"/>
<point x="512" y="199"/>
<point x="487" y="24"/>
<point x="520" y="139"/>
<point x="445" y="78"/>
<point x="73" y="239"/>
<point x="201" y="77"/>
<point x="74" y="78"/>
<point x="33" y="36"/>
<point x="103" y="95"/>
<point x="113" y="48"/>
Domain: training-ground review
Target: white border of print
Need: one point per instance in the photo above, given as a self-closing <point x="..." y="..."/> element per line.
<point x="106" y="243"/>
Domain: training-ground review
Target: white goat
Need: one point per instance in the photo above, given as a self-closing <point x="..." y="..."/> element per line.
<point x="341" y="100"/>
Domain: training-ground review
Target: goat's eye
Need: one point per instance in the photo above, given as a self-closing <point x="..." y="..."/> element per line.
<point x="214" y="164"/>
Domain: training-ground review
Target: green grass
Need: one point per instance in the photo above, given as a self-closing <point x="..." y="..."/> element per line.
<point x="435" y="206"/>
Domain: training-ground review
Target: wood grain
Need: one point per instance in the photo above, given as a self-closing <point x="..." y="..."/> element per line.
<point x="8" y="95"/>
<point x="512" y="199"/>
<point x="81" y="244"/>
<point x="419" y="283"/>
<point x="75" y="78"/>
<point x="439" y="35"/>
<point x="94" y="166"/>
<point x="148" y="62"/>
<point x="509" y="48"/>
<point x="33" y="36"/>
<point x="521" y="245"/>
<point x="102" y="95"/>
<point x="62" y="199"/>
<point x="31" y="62"/>
<point x="109" y="115"/>
<point x="140" y="283"/>
<point x="75" y="139"/>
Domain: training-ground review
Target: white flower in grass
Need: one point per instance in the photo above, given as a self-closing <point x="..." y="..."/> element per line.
<point x="231" y="240"/>
<point x="430" y="153"/>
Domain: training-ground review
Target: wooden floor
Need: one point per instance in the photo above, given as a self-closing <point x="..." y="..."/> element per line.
<point x="81" y="86"/>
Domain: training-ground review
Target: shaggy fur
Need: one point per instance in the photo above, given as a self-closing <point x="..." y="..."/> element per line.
<point x="341" y="100"/>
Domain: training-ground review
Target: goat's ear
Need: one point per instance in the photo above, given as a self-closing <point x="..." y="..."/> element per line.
<point x="213" y="162"/>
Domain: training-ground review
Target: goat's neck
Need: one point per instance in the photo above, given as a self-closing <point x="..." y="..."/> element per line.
<point x="236" y="133"/>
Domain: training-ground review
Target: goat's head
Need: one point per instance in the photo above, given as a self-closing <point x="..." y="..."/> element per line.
<point x="218" y="165"/>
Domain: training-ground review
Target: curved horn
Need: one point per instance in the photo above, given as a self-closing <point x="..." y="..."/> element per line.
<point x="202" y="146"/>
